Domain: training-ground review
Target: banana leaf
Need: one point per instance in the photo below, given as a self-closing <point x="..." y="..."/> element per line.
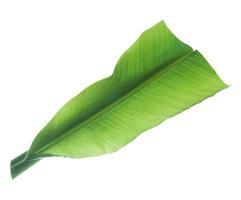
<point x="156" y="78"/>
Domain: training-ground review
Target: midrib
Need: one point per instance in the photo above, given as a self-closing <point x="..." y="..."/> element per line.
<point x="115" y="103"/>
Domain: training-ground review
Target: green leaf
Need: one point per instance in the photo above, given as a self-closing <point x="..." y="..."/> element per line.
<point x="156" y="78"/>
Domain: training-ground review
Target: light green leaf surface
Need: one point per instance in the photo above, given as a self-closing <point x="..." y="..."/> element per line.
<point x="156" y="78"/>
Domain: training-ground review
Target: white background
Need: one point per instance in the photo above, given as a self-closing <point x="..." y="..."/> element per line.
<point x="51" y="50"/>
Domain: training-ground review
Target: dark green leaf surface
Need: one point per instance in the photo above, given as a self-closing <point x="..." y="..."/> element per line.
<point x="156" y="78"/>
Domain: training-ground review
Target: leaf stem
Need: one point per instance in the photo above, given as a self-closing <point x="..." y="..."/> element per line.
<point x="20" y="164"/>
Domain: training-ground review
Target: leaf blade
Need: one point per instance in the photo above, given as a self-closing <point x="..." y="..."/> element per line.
<point x="156" y="78"/>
